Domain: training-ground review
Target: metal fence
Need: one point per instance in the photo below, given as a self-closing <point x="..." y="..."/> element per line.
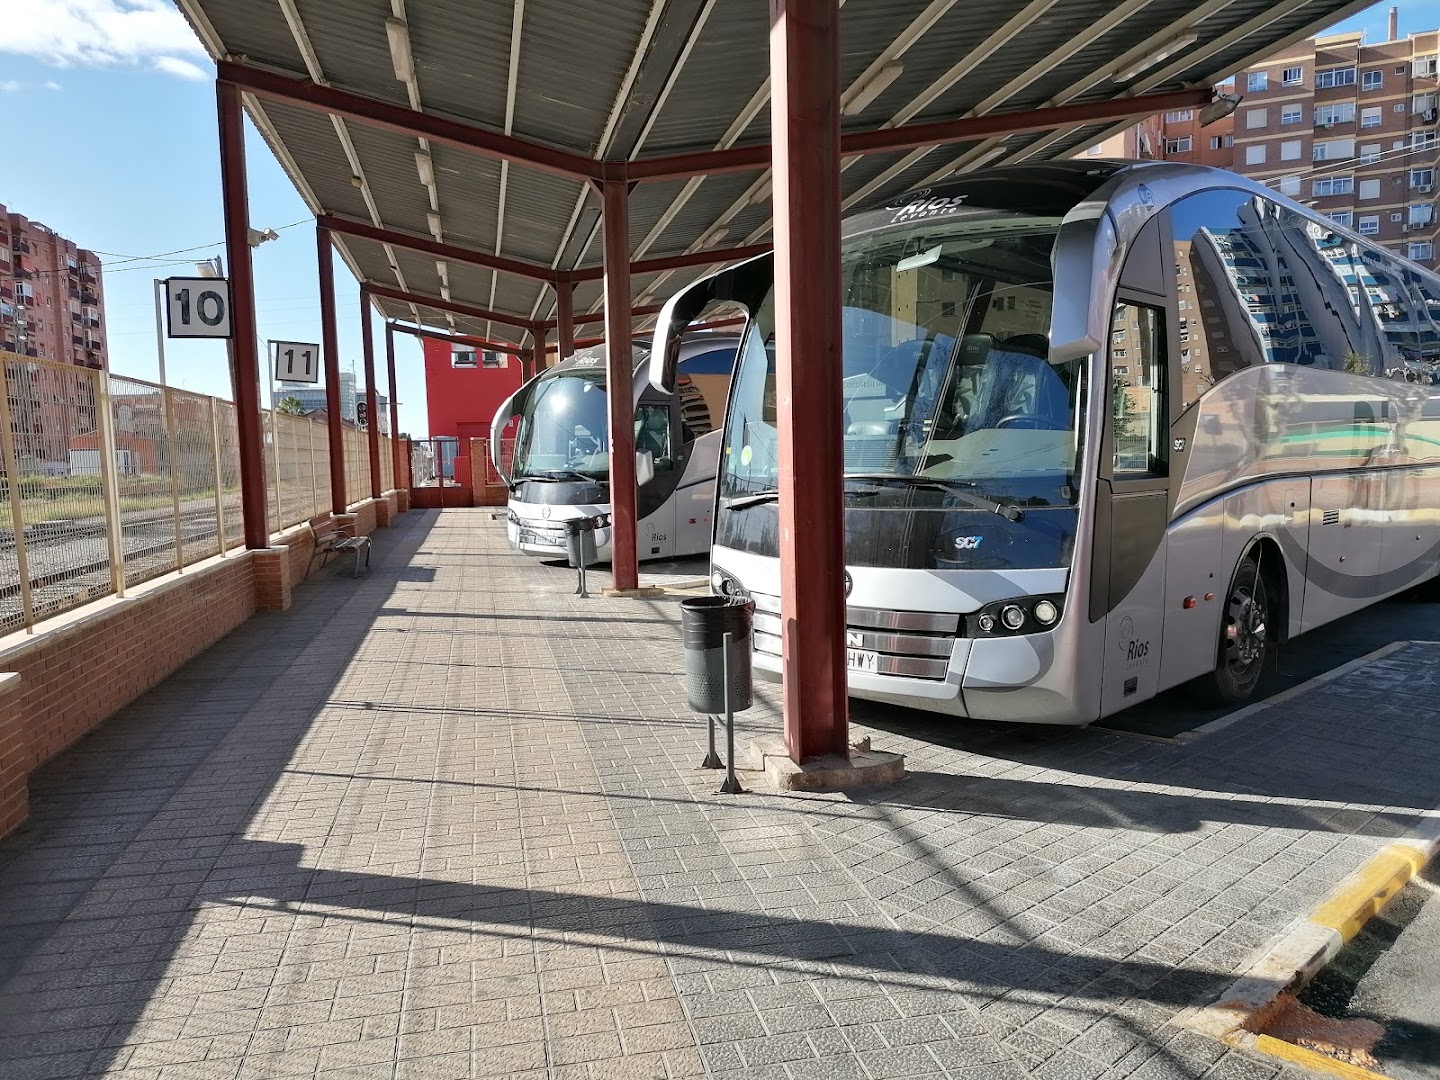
<point x="107" y="481"/>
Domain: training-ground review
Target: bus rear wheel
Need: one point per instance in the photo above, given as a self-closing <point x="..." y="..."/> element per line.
<point x="1244" y="636"/>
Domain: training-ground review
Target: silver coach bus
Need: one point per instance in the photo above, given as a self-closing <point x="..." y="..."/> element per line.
<point x="1110" y="427"/>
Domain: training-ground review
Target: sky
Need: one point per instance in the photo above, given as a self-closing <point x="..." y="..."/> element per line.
<point x="110" y="140"/>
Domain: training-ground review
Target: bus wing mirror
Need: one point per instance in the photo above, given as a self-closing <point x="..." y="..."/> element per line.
<point x="644" y="467"/>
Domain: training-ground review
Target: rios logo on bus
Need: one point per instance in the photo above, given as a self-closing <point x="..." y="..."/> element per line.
<point x="1133" y="649"/>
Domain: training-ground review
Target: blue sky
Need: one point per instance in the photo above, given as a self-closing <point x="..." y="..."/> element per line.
<point x="110" y="139"/>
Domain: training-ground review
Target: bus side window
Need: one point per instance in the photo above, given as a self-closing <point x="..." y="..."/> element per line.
<point x="1138" y="392"/>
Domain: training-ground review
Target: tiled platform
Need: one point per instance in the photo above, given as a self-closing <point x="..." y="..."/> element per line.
<point x="445" y="821"/>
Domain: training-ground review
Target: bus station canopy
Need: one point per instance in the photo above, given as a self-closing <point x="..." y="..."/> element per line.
<point x="423" y="129"/>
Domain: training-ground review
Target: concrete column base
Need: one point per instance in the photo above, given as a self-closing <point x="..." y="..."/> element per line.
<point x="865" y="768"/>
<point x="645" y="592"/>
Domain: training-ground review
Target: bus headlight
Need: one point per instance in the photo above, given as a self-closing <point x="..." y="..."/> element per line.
<point x="1021" y="615"/>
<point x="725" y="584"/>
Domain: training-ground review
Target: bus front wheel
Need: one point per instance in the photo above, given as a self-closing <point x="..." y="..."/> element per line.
<point x="1244" y="635"/>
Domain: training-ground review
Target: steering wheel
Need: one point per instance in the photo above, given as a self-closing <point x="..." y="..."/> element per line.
<point x="1025" y="420"/>
<point x="581" y="440"/>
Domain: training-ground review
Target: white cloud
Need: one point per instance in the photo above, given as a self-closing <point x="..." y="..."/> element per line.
<point x="173" y="65"/>
<point x="51" y="84"/>
<point x="98" y="32"/>
<point x="10" y="86"/>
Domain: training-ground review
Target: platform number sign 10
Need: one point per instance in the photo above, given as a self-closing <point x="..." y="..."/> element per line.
<point x="198" y="307"/>
<point x="297" y="361"/>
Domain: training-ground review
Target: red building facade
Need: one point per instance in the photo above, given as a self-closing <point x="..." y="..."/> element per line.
<point x="464" y="387"/>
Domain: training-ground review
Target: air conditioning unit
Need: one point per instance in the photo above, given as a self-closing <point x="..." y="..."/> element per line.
<point x="1425" y="189"/>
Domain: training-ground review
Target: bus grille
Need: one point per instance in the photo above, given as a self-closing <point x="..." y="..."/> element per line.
<point x="913" y="644"/>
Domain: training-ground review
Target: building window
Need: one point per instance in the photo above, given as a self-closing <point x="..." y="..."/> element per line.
<point x="1291" y="114"/>
<point x="1423" y="140"/>
<point x="1334" y="185"/>
<point x="1255" y="155"/>
<point x="1290" y="150"/>
<point x="1293" y="76"/>
<point x="1372" y="80"/>
<point x="1216" y="142"/>
<point x="1370" y="118"/>
<point x="1344" y="76"/>
<point x="1422" y="179"/>
<point x="1257" y="118"/>
<point x="1333" y="150"/>
<point x="1342" y="217"/>
<point x="1229" y="141"/>
<point x="1256" y="81"/>
<point x="1179" y="116"/>
<point x="1421" y="214"/>
<point x="1370" y="226"/>
<point x="1423" y="67"/>
<point x="1369" y="189"/>
<point x="1420" y="250"/>
<point x="1423" y="104"/>
<point x="1178" y="146"/>
<point x="1369" y="153"/>
<point x="1340" y="113"/>
<point x="463" y="358"/>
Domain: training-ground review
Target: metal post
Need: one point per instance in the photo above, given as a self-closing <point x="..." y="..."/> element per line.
<point x="244" y="361"/>
<point x="731" y="786"/>
<point x="615" y="199"/>
<point x="160" y="328"/>
<point x="219" y="478"/>
<point x="394" y="406"/>
<point x="314" y="472"/>
<point x="564" y="321"/>
<point x="109" y="484"/>
<point x="712" y="759"/>
<point x="174" y="444"/>
<point x="805" y="131"/>
<point x="17" y="503"/>
<point x="372" y="407"/>
<point x="330" y="346"/>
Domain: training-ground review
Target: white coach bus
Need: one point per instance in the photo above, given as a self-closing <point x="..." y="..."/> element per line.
<point x="1110" y="427"/>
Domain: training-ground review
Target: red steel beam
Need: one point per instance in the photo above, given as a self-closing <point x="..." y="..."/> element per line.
<point x="395" y="462"/>
<point x="906" y="137"/>
<point x="805" y="127"/>
<point x="330" y="349"/>
<point x="565" y="319"/>
<point x="304" y="94"/>
<point x="603" y="316"/>
<point x="372" y="405"/>
<point x="508" y="347"/>
<point x="619" y="364"/>
<point x="449" y="252"/>
<point x="244" y="353"/>
<point x="711" y="257"/>
<point x="439" y="304"/>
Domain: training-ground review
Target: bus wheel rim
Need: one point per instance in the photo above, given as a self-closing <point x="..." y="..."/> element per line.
<point x="1245" y="628"/>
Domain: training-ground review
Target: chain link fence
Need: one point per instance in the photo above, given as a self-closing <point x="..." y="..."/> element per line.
<point x="108" y="481"/>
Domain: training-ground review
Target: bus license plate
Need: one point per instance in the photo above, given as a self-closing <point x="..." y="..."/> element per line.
<point x="862" y="660"/>
<point x="535" y="539"/>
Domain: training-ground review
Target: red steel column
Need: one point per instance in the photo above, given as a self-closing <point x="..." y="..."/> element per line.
<point x="394" y="404"/>
<point x="372" y="406"/>
<point x="805" y="136"/>
<point x="564" y="319"/>
<point x="330" y="347"/>
<point x="619" y="374"/>
<point x="244" y="354"/>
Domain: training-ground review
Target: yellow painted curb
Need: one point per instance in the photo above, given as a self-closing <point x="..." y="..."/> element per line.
<point x="1312" y="1059"/>
<point x="1359" y="900"/>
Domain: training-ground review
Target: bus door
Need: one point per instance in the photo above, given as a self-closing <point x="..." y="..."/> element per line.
<point x="1127" y="585"/>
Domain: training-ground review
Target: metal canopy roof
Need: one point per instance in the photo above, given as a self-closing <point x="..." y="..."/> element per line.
<point x="628" y="80"/>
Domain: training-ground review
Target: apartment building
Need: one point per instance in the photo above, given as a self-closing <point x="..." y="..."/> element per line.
<point x="1351" y="130"/>
<point x="52" y="303"/>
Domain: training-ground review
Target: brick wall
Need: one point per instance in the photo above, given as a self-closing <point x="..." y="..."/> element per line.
<point x="77" y="671"/>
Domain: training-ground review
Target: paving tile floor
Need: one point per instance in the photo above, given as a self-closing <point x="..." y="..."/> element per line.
<point x="446" y="821"/>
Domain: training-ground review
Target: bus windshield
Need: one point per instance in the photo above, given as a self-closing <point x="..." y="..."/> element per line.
<point x="564" y="430"/>
<point x="947" y="382"/>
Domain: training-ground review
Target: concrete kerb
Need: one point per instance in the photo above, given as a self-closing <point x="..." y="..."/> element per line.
<point x="1306" y="947"/>
<point x="864" y="768"/>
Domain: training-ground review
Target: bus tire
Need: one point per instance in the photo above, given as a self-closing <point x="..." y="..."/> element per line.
<point x="1244" y="635"/>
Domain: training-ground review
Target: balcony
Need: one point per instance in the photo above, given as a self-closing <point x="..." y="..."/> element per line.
<point x="20" y="245"/>
<point x="92" y="321"/>
<point x="88" y="297"/>
<point x="77" y="340"/>
<point x="6" y="292"/>
<point x="89" y="273"/>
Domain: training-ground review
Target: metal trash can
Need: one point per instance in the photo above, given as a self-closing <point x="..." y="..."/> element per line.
<point x="704" y="622"/>
<point x="580" y="541"/>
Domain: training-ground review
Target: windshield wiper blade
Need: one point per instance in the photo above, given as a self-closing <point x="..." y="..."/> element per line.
<point x="952" y="487"/>
<point x="556" y="476"/>
<point x="744" y="502"/>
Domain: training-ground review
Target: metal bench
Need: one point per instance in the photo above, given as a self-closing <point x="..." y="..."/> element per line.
<point x="334" y="538"/>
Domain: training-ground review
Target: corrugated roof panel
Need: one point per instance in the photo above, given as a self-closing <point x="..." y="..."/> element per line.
<point x="311" y="142"/>
<point x="537" y="209"/>
<point x="462" y="53"/>
<point x="573" y="58"/>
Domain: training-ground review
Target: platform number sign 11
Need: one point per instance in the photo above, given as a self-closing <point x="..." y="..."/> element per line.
<point x="198" y="307"/>
<point x="297" y="361"/>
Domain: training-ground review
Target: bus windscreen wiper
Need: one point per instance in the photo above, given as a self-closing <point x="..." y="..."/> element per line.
<point x="744" y="502"/>
<point x="951" y="487"/>
<point x="556" y="476"/>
